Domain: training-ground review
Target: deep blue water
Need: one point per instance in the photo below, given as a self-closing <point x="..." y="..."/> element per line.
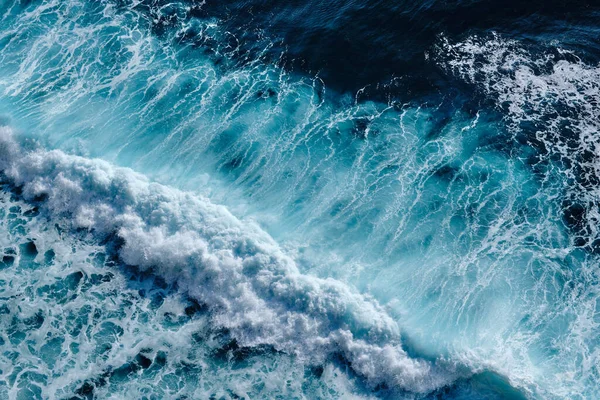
<point x="353" y="199"/>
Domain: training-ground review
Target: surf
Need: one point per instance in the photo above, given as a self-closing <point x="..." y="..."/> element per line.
<point x="374" y="245"/>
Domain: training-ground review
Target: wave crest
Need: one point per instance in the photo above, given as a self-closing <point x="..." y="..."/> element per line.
<point x="251" y="287"/>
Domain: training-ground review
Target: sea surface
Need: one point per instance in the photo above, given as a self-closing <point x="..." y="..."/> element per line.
<point x="349" y="199"/>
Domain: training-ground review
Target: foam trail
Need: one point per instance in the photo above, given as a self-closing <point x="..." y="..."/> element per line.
<point x="75" y="325"/>
<point x="549" y="98"/>
<point x="452" y="223"/>
<point x="251" y="286"/>
<point x="550" y="101"/>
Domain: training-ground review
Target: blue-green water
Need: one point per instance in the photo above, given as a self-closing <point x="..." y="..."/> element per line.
<point x="210" y="201"/>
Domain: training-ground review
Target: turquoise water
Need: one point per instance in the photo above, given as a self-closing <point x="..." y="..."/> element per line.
<point x="186" y="217"/>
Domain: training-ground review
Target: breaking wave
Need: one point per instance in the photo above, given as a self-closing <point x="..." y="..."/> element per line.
<point x="280" y="238"/>
<point x="249" y="285"/>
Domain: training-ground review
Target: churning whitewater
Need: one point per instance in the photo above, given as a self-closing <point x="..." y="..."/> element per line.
<point x="250" y="287"/>
<point x="223" y="200"/>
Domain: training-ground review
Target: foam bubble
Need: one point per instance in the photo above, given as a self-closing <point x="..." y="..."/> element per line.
<point x="251" y="287"/>
<point x="550" y="100"/>
<point x="76" y="324"/>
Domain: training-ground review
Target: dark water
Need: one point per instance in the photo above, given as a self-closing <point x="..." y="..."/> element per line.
<point x="243" y="199"/>
<point x="352" y="44"/>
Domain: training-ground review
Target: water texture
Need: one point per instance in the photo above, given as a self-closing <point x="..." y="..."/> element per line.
<point x="299" y="200"/>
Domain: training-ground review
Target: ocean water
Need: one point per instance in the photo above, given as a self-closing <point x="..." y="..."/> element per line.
<point x="343" y="200"/>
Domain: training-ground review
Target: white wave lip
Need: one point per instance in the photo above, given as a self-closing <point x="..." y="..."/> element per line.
<point x="252" y="288"/>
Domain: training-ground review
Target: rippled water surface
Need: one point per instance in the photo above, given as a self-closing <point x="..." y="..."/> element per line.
<point x="353" y="199"/>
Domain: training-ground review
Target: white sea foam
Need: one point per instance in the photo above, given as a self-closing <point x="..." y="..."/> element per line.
<point x="550" y="99"/>
<point x="549" y="96"/>
<point x="557" y="85"/>
<point x="72" y="325"/>
<point x="252" y="287"/>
